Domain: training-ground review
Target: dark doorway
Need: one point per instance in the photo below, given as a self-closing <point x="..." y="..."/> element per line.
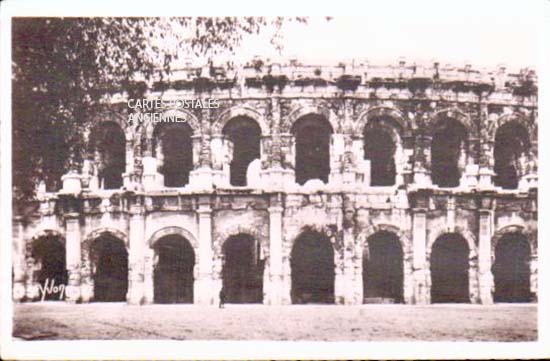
<point x="243" y="270"/>
<point x="312" y="269"/>
<point x="511" y="141"/>
<point x="449" y="265"/>
<point x="173" y="144"/>
<point x="49" y="252"/>
<point x="448" y="141"/>
<point x="380" y="150"/>
<point x="312" y="133"/>
<point x="110" y="258"/>
<point x="245" y="135"/>
<point x="383" y="269"/>
<point x="110" y="146"/>
<point x="511" y="269"/>
<point x="173" y="274"/>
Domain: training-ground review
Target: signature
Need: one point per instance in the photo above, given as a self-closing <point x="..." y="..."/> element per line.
<point x="52" y="288"/>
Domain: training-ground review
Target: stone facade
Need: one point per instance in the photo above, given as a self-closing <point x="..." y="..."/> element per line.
<point x="408" y="103"/>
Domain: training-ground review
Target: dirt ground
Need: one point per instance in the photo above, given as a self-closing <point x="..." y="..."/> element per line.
<point x="61" y="321"/>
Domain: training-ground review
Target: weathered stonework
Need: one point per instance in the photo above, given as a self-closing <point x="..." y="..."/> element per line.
<point x="408" y="102"/>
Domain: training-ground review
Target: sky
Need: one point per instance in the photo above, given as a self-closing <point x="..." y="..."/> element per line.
<point x="485" y="34"/>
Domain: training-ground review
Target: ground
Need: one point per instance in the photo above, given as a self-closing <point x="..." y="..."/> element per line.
<point x="58" y="320"/>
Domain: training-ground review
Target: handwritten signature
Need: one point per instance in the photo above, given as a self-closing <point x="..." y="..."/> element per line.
<point x="52" y="288"/>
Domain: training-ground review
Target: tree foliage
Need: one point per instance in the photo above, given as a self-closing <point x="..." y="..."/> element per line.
<point x="63" y="66"/>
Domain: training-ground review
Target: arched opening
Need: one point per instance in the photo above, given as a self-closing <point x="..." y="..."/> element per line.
<point x="312" y="133"/>
<point x="110" y="259"/>
<point x="312" y="269"/>
<point x="49" y="254"/>
<point x="173" y="274"/>
<point x="243" y="270"/>
<point x="511" y="147"/>
<point x="173" y="148"/>
<point x="383" y="269"/>
<point x="449" y="266"/>
<point x="379" y="148"/>
<point x="448" y="152"/>
<point x="511" y="269"/>
<point x="109" y="145"/>
<point x="245" y="135"/>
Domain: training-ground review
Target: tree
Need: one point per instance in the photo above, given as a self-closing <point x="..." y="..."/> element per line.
<point x="63" y="66"/>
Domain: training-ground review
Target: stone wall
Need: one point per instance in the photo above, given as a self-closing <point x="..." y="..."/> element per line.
<point x="407" y="101"/>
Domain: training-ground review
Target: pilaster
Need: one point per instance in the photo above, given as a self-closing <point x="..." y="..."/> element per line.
<point x="73" y="256"/>
<point x="421" y="291"/>
<point x="136" y="271"/>
<point x="486" y="282"/>
<point x="274" y="289"/>
<point x="18" y="291"/>
<point x="206" y="291"/>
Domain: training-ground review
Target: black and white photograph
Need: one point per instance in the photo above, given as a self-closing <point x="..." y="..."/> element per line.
<point x="366" y="176"/>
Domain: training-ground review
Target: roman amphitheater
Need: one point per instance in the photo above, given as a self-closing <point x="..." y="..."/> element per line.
<point x="343" y="184"/>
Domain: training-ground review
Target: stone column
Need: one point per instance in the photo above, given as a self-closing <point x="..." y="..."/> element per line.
<point x="422" y="163"/>
<point x="471" y="170"/>
<point x="148" y="276"/>
<point x="486" y="161"/>
<point x="136" y="249"/>
<point x="274" y="289"/>
<point x="484" y="253"/>
<point x="353" y="280"/>
<point x="129" y="159"/>
<point x="73" y="256"/>
<point x="337" y="148"/>
<point x="18" y="292"/>
<point x="533" y="267"/>
<point x="217" y="146"/>
<point x="205" y="290"/>
<point x="421" y="291"/>
<point x="287" y="281"/>
<point x="200" y="178"/>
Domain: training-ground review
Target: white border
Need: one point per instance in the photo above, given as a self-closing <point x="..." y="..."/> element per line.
<point x="251" y="349"/>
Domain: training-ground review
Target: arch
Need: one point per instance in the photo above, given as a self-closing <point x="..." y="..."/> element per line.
<point x="372" y="229"/>
<point x="172" y="146"/>
<point x="45" y="255"/>
<point x="235" y="229"/>
<point x="319" y="109"/>
<point x="312" y="134"/>
<point x="510" y="154"/>
<point x="440" y="230"/>
<point x="515" y="117"/>
<point x="240" y="111"/>
<point x="107" y="147"/>
<point x="243" y="269"/>
<point x="449" y="151"/>
<point x="174" y="263"/>
<point x="244" y="134"/>
<point x="383" y="267"/>
<point x="512" y="268"/>
<point x="393" y="116"/>
<point x="380" y="148"/>
<point x="109" y="115"/>
<point x="515" y="227"/>
<point x="189" y="118"/>
<point x="46" y="232"/>
<point x="456" y="114"/>
<point x="313" y="266"/>
<point x="172" y="230"/>
<point x="109" y="263"/>
<point x="96" y="233"/>
<point x="407" y="250"/>
<point x="329" y="229"/>
<point x="450" y="270"/>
